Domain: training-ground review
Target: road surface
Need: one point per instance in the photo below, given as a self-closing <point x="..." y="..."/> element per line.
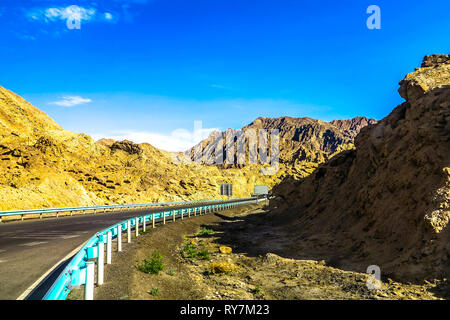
<point x="28" y="249"/>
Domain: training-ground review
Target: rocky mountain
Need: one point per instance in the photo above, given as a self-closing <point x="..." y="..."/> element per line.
<point x="386" y="202"/>
<point x="353" y="126"/>
<point x="303" y="142"/>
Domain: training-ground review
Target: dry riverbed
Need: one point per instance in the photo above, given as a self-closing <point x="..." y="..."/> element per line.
<point x="208" y="257"/>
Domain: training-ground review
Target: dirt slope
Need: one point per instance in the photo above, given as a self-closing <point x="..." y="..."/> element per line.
<point x="388" y="201"/>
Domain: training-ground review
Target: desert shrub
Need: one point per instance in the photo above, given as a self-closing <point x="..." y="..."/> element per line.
<point x="153" y="265"/>
<point x="154" y="292"/>
<point x="205" y="232"/>
<point x="203" y="254"/>
<point x="189" y="249"/>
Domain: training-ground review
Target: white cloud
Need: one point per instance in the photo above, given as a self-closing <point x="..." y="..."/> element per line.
<point x="108" y="16"/>
<point x="178" y="140"/>
<point x="67" y="13"/>
<point x="70" y="101"/>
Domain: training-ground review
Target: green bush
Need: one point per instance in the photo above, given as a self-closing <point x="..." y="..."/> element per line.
<point x="203" y="254"/>
<point x="190" y="249"/>
<point x="154" y="291"/>
<point x="153" y="265"/>
<point x="205" y="232"/>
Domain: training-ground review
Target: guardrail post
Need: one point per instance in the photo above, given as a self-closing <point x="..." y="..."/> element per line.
<point x="89" y="285"/>
<point x="173" y="214"/>
<point x="129" y="230"/>
<point x="100" y="262"/>
<point x="109" y="248"/>
<point x="164" y="217"/>
<point x="143" y="224"/>
<point x="57" y="215"/>
<point x="182" y="215"/>
<point x="153" y="220"/>
<point x="189" y="212"/>
<point x="136" y="220"/>
<point x="119" y="238"/>
<point x="22" y="217"/>
<point x="195" y="211"/>
<point x="40" y="216"/>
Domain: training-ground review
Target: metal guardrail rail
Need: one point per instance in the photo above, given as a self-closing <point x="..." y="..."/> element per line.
<point x="77" y="273"/>
<point x="41" y="212"/>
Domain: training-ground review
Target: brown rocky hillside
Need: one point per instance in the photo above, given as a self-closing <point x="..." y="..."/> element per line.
<point x="43" y="165"/>
<point x="353" y="126"/>
<point x="387" y="202"/>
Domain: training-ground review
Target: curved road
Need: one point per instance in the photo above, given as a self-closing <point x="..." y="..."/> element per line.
<point x="28" y="249"/>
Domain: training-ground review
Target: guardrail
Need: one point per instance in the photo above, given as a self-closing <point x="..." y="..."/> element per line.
<point x="80" y="269"/>
<point x="95" y="209"/>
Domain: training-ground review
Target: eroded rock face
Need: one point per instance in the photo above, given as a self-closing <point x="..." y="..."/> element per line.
<point x="435" y="60"/>
<point x="127" y="146"/>
<point x="353" y="126"/>
<point x="387" y="202"/>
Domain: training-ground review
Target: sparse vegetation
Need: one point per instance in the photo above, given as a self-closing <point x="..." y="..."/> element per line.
<point x="203" y="254"/>
<point x="205" y="232"/>
<point x="153" y="265"/>
<point x="154" y="292"/>
<point x="170" y="272"/>
<point x="191" y="250"/>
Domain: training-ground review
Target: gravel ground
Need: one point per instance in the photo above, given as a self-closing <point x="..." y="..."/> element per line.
<point x="249" y="272"/>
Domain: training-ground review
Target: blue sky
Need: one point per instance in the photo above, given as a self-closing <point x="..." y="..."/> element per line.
<point x="147" y="69"/>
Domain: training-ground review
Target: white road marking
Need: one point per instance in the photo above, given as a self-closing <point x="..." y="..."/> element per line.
<point x="70" y="236"/>
<point x="3" y="261"/>
<point x="2" y="250"/>
<point x="31" y="244"/>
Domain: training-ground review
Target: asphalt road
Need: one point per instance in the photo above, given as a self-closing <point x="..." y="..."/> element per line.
<point x="28" y="249"/>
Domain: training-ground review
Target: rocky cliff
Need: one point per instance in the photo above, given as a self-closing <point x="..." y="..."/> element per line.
<point x="387" y="202"/>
